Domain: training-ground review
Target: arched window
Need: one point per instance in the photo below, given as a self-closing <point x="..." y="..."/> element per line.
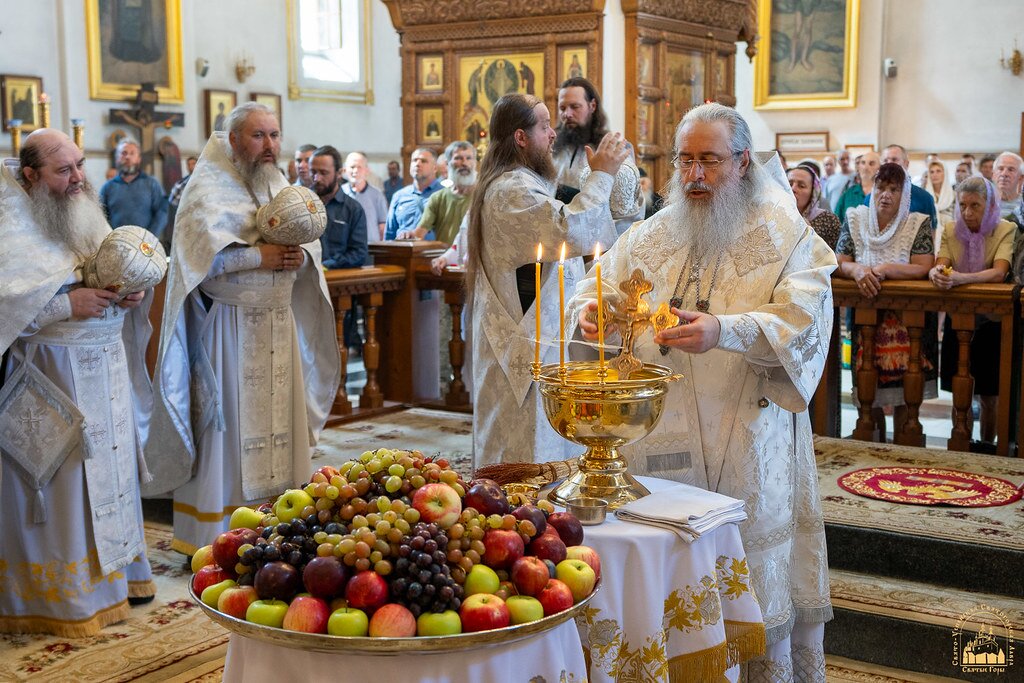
<point x="329" y="49"/>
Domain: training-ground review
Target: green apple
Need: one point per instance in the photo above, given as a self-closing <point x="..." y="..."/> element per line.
<point x="578" y="576"/>
<point x="212" y="593"/>
<point x="524" y="608"/>
<point x="446" y="623"/>
<point x="348" y="621"/>
<point x="267" y="612"/>
<point x="481" y="579"/>
<point x="245" y="518"/>
<point x="202" y="557"/>
<point x="289" y="504"/>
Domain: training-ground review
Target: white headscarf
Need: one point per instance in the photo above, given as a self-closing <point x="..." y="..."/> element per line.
<point x="876" y="238"/>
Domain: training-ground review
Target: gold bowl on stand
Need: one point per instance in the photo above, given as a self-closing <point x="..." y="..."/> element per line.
<point x="593" y="407"/>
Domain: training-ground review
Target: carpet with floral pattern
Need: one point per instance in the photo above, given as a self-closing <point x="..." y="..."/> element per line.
<point x="1001" y="526"/>
<point x="170" y="639"/>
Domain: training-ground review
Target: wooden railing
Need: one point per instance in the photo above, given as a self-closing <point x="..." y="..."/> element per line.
<point x="367" y="285"/>
<point x="913" y="299"/>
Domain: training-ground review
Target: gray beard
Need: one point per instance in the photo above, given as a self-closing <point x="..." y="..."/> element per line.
<point x="77" y="221"/>
<point x="707" y="227"/>
<point x="464" y="180"/>
<point x="260" y="176"/>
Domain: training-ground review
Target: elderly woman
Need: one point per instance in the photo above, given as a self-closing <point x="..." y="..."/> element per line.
<point x="976" y="247"/>
<point x="884" y="241"/>
<point x="807" y="190"/>
<point x="934" y="181"/>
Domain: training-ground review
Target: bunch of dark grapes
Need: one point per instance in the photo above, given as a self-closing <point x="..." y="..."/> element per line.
<point x="293" y="542"/>
<point x="421" y="579"/>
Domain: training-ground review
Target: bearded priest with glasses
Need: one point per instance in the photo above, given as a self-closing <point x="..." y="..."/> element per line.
<point x="750" y="282"/>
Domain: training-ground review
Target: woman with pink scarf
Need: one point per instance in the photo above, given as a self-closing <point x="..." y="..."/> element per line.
<point x="976" y="247"/>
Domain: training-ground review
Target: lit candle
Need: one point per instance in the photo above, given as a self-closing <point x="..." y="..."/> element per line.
<point x="536" y="348"/>
<point x="44" y="110"/>
<point x="14" y="125"/>
<point x="561" y="311"/>
<point x="600" y="308"/>
<point x="78" y="132"/>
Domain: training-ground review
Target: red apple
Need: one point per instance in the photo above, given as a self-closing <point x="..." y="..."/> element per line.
<point x="586" y="554"/>
<point x="548" y="547"/>
<point x="569" y="528"/>
<point x="307" y="614"/>
<point x="530" y="575"/>
<point x="534" y="514"/>
<point x="556" y="597"/>
<point x="325" y="577"/>
<point x="392" y="621"/>
<point x="578" y="576"/>
<point x="367" y="590"/>
<point x="328" y="471"/>
<point x="437" y="503"/>
<point x="236" y="601"/>
<point x="277" y="581"/>
<point x="207" y="576"/>
<point x="486" y="497"/>
<point x="226" y="545"/>
<point x="502" y="547"/>
<point x="482" y="612"/>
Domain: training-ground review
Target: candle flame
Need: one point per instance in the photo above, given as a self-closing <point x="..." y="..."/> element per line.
<point x="561" y="259"/>
<point x="540" y="251"/>
<point x="597" y="252"/>
<point x="44" y="98"/>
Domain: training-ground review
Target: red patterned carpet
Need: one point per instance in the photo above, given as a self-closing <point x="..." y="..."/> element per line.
<point x="930" y="486"/>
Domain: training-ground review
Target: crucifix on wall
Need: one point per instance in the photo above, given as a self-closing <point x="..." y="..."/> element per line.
<point x="146" y="120"/>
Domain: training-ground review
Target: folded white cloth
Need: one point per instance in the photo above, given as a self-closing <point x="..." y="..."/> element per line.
<point x="687" y="510"/>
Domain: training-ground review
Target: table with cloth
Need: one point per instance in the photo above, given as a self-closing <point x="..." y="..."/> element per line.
<point x="669" y="610"/>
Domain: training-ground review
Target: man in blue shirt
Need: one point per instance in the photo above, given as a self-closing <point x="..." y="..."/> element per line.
<point x="394" y="182"/>
<point x="132" y="197"/>
<point x="920" y="200"/>
<point x="407" y="204"/>
<point x="375" y="206"/>
<point x="344" y="240"/>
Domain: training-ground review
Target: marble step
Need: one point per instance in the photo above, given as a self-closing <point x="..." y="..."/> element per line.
<point x="917" y="627"/>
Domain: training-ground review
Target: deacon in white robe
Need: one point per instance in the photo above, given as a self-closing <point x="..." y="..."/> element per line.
<point x="513" y="211"/>
<point x="73" y="407"/>
<point x="751" y="281"/>
<point x="248" y="364"/>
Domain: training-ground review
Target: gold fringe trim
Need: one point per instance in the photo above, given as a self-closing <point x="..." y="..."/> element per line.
<point x="212" y="517"/>
<point x="82" y="628"/>
<point x="141" y="589"/>
<point x="746" y="641"/>
<point x="703" y="665"/>
<point x="183" y="547"/>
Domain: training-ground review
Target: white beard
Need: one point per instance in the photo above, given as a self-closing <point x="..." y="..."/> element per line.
<point x="708" y="226"/>
<point x="77" y="221"/>
<point x="464" y="180"/>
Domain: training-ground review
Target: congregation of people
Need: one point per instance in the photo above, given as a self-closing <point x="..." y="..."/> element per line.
<point x="248" y="363"/>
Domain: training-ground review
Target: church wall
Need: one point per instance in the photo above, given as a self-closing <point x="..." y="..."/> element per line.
<point x="950" y="94"/>
<point x="47" y="38"/>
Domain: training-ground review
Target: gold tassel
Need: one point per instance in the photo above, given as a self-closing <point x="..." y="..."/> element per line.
<point x="746" y="641"/>
<point x="704" y="665"/>
<point x="67" y="629"/>
<point x="540" y="473"/>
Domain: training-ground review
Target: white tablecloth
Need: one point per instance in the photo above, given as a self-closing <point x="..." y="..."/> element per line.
<point x="668" y="610"/>
<point x="555" y="656"/>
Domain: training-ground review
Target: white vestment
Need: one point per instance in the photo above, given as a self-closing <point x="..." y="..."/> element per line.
<point x="73" y="412"/>
<point x="248" y="364"/>
<point x="626" y="201"/>
<point x="737" y="421"/>
<point x="519" y="211"/>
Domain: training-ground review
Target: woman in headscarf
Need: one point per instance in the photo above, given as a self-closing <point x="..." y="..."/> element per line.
<point x="976" y="247"/>
<point x="941" y="190"/>
<point x="885" y="241"/>
<point x="807" y="190"/>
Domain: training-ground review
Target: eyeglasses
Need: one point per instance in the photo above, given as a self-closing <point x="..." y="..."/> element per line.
<point x="704" y="164"/>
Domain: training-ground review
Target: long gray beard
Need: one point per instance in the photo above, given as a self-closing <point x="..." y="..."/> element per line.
<point x="707" y="227"/>
<point x="260" y="176"/>
<point x="464" y="180"/>
<point x="77" y="221"/>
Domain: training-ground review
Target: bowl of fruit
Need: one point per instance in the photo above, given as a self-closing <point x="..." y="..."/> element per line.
<point x="395" y="552"/>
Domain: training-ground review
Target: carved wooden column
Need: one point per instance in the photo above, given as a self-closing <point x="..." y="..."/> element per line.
<point x="342" y="305"/>
<point x="963" y="383"/>
<point x="867" y="377"/>
<point x="457" y="395"/>
<point x="912" y="433"/>
<point x="372" y="397"/>
<point x="825" y="404"/>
